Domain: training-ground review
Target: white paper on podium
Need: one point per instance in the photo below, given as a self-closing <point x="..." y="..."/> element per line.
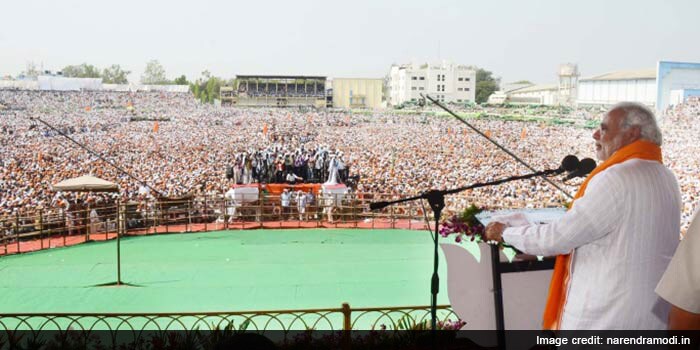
<point x="521" y="217"/>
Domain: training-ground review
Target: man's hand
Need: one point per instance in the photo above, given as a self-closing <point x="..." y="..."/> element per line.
<point x="494" y="232"/>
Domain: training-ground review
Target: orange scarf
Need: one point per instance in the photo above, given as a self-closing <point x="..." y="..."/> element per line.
<point x="556" y="299"/>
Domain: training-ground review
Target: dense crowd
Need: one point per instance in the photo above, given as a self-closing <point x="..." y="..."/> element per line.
<point x="177" y="145"/>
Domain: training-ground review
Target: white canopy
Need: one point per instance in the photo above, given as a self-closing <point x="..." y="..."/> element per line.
<point x="85" y="183"/>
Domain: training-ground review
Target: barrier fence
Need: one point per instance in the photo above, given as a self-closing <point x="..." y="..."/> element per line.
<point x="24" y="231"/>
<point x="57" y="227"/>
<point x="343" y="318"/>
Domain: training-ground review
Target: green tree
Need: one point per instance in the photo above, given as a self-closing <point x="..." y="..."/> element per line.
<point x="82" y="71"/>
<point x="195" y="90"/>
<point x="115" y="75"/>
<point x="486" y="84"/>
<point x="154" y="74"/>
<point x="181" y="80"/>
<point x="213" y="87"/>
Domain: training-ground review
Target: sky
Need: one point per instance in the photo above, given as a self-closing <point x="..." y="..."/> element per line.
<point x="515" y="39"/>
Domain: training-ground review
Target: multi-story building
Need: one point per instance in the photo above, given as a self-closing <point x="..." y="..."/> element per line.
<point x="445" y="82"/>
<point x="357" y="93"/>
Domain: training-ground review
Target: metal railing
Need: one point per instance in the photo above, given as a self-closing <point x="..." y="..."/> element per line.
<point x="57" y="227"/>
<point x="25" y="231"/>
<point x="343" y="318"/>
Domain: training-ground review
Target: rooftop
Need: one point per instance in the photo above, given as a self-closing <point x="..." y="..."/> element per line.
<point x="649" y="73"/>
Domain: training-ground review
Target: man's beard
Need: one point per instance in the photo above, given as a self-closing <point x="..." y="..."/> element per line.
<point x="614" y="145"/>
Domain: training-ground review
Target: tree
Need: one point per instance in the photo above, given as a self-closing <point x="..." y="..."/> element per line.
<point x="486" y="84"/>
<point x="213" y="86"/>
<point x="154" y="74"/>
<point x="523" y="82"/>
<point x="81" y="71"/>
<point x="182" y="80"/>
<point x="115" y="75"/>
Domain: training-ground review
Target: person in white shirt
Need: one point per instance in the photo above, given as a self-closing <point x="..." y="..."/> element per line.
<point x="302" y="203"/>
<point x="618" y="237"/>
<point x="680" y="284"/>
<point x="285" y="199"/>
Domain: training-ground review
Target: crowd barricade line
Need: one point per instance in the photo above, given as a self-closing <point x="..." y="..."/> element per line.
<point x="56" y="227"/>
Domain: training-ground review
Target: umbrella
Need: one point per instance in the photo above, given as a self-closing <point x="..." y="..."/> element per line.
<point x="85" y="183"/>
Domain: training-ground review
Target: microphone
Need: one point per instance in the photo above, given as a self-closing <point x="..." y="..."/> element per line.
<point x="585" y="167"/>
<point x="569" y="163"/>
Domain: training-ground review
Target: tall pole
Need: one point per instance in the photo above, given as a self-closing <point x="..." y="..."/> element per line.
<point x="119" y="262"/>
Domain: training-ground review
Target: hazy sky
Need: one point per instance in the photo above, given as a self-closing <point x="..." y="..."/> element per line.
<point x="515" y="39"/>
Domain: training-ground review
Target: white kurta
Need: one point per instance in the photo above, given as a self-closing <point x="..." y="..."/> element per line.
<point x="680" y="284"/>
<point x="623" y="232"/>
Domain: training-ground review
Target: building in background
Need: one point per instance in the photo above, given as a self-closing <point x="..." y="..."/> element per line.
<point x="668" y="84"/>
<point x="564" y="92"/>
<point x="610" y="88"/>
<point x="675" y="82"/>
<point x="446" y="82"/>
<point x="535" y="94"/>
<point x="276" y="91"/>
<point x="352" y="93"/>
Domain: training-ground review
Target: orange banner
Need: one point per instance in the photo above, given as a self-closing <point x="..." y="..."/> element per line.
<point x="276" y="189"/>
<point x="155" y="127"/>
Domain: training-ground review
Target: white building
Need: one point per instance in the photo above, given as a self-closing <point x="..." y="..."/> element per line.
<point x="668" y="84"/>
<point x="614" y="87"/>
<point x="445" y="82"/>
<point x="561" y="93"/>
<point x="540" y="94"/>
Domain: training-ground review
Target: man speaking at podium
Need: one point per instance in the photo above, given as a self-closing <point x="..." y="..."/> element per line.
<point x="619" y="235"/>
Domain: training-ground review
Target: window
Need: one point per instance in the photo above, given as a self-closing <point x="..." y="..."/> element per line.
<point x="438" y="88"/>
<point x="458" y="100"/>
<point x="466" y="89"/>
<point x="414" y="78"/>
<point x="422" y="78"/>
<point x="466" y="79"/>
<point x="460" y="89"/>
<point x="460" y="79"/>
<point x="421" y="88"/>
<point x="413" y="88"/>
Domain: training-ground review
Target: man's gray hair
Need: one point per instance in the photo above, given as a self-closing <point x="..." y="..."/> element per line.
<point x="637" y="114"/>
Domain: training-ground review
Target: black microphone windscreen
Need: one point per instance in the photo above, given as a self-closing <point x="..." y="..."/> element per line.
<point x="584" y="168"/>
<point x="570" y="163"/>
<point x="587" y="165"/>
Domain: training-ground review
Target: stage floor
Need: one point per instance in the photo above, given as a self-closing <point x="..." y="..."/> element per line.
<point x="226" y="271"/>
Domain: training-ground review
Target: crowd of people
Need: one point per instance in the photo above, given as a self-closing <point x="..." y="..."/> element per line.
<point x="282" y="165"/>
<point x="205" y="149"/>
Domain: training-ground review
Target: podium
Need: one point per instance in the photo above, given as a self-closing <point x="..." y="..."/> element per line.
<point x="489" y="292"/>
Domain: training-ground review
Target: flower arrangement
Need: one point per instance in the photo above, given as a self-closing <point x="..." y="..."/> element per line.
<point x="464" y="226"/>
<point x="467" y="228"/>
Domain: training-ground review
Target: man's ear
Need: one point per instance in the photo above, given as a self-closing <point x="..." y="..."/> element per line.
<point x="635" y="133"/>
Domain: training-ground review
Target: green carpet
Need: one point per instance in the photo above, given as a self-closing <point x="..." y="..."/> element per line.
<point x="226" y="271"/>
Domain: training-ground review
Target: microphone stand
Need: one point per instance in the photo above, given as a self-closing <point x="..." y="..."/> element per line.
<point x="436" y="199"/>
